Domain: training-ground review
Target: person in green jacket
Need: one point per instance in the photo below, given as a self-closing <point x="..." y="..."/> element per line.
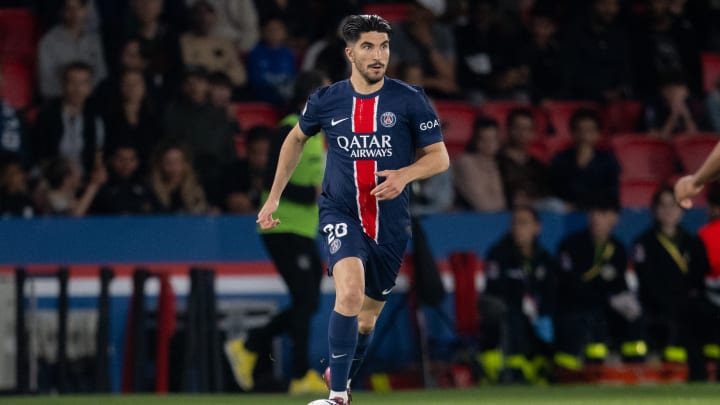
<point x="292" y="247"/>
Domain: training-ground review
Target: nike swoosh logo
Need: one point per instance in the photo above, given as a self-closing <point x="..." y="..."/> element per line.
<point x="333" y="122"/>
<point x="386" y="292"/>
<point x="338" y="356"/>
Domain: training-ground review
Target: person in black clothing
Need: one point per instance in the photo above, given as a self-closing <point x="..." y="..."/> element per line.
<point x="124" y="192"/>
<point x="596" y="59"/>
<point x="71" y="127"/>
<point x="525" y="178"/>
<point x="15" y="200"/>
<point x="591" y="291"/>
<point x="541" y="53"/>
<point x="245" y="181"/>
<point x="585" y="172"/>
<point x="671" y="265"/>
<point x="132" y="118"/>
<point x="518" y="301"/>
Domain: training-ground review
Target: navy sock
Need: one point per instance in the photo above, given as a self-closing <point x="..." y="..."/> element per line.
<point x="342" y="339"/>
<point x="363" y="343"/>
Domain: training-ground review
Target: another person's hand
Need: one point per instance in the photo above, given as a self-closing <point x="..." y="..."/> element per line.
<point x="685" y="190"/>
<point x="265" y="219"/>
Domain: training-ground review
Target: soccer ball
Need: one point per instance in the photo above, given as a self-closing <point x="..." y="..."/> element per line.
<point x="322" y="402"/>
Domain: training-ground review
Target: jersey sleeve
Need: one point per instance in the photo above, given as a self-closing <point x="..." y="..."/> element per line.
<point x="424" y="121"/>
<point x="310" y="117"/>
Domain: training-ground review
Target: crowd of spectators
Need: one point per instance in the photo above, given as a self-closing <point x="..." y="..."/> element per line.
<point x="133" y="110"/>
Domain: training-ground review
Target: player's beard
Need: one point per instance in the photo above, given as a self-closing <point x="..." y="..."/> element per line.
<point x="365" y="73"/>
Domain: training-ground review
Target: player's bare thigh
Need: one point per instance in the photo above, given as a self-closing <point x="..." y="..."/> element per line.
<point x="369" y="314"/>
<point x="349" y="277"/>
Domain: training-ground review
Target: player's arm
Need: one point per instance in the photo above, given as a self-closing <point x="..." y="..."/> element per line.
<point x="290" y="154"/>
<point x="432" y="159"/>
<point x="690" y="186"/>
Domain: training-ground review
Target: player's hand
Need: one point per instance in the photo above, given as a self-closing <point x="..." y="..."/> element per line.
<point x="685" y="190"/>
<point x="393" y="185"/>
<point x="265" y="219"/>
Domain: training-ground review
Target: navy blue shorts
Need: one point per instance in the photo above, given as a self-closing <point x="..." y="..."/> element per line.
<point x="344" y="237"/>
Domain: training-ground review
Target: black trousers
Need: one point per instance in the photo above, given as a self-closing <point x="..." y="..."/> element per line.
<point x="298" y="262"/>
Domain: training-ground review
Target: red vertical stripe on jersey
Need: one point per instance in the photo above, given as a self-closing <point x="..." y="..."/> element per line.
<point x="364" y="117"/>
<point x="367" y="203"/>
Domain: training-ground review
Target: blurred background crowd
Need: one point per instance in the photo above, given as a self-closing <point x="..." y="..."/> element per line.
<point x="152" y="106"/>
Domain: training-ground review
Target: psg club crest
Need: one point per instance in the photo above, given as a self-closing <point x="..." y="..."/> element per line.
<point x="387" y="119"/>
<point x="335" y="246"/>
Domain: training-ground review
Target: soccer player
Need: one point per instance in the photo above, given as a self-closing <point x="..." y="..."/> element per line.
<point x="294" y="251"/>
<point x="689" y="186"/>
<point x="382" y="134"/>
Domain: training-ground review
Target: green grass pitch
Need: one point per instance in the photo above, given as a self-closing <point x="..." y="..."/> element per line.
<point x="693" y="394"/>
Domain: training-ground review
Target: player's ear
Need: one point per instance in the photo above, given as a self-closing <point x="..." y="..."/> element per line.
<point x="349" y="54"/>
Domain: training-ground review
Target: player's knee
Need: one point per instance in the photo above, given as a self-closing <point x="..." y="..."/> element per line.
<point x="350" y="300"/>
<point x="366" y="324"/>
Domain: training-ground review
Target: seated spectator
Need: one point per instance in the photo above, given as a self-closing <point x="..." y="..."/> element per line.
<point x="421" y="39"/>
<point x="327" y="55"/>
<point x="174" y="186"/>
<point x="129" y="57"/>
<point x="592" y="292"/>
<point x="476" y="173"/>
<point x="672" y="111"/>
<point x="12" y="134"/>
<point x="158" y="44"/>
<point x="68" y="42"/>
<point x="525" y="179"/>
<point x="585" y="172"/>
<point x="205" y="129"/>
<point x="597" y="63"/>
<point x="220" y="95"/>
<point x="244" y="183"/>
<point x="15" y="200"/>
<point x="200" y="47"/>
<point x="271" y="64"/>
<point x="671" y="265"/>
<point x="237" y="21"/>
<point x="62" y="185"/>
<point x="518" y="302"/>
<point x="70" y="127"/>
<point x="125" y="191"/>
<point x="132" y="118"/>
<point x="664" y="44"/>
<point x="541" y="53"/>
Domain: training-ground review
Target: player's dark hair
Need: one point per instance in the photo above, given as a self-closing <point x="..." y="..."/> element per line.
<point x="516" y="113"/>
<point x="582" y="114"/>
<point x="358" y="24"/>
<point x="655" y="201"/>
<point x="481" y="122"/>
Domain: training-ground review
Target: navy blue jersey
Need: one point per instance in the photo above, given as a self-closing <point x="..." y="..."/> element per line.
<point x="367" y="133"/>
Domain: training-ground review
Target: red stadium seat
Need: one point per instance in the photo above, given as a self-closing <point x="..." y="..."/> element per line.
<point x="559" y="113"/>
<point x="642" y="157"/>
<point x="622" y="116"/>
<point x="457" y="120"/>
<point x="17" y="87"/>
<point x="18" y="35"/>
<point x="250" y="114"/>
<point x="392" y="12"/>
<point x="637" y="193"/>
<point x="499" y="110"/>
<point x="710" y="70"/>
<point x="692" y="149"/>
